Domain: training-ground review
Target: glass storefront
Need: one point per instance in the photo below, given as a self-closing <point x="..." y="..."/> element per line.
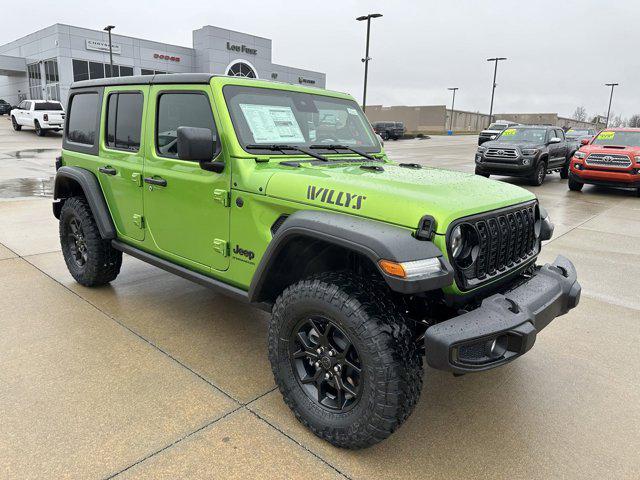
<point x="35" y="88"/>
<point x="52" y="79"/>
<point x="85" y="70"/>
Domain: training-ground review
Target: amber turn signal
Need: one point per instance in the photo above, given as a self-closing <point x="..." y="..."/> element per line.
<point x="392" y="268"/>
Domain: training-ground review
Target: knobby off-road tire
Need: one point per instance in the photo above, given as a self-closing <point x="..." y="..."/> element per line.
<point x="381" y="343"/>
<point x="91" y="260"/>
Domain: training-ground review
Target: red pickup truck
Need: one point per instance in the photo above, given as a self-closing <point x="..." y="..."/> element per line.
<point x="610" y="159"/>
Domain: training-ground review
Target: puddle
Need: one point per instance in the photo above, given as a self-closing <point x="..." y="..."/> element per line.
<point x="31" y="153"/>
<point x="26" y="187"/>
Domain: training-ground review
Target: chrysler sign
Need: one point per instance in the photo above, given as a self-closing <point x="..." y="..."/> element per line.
<point x="99" y="46"/>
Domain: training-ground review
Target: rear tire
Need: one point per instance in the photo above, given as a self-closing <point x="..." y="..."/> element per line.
<point x="564" y="172"/>
<point x="362" y="335"/>
<point x="39" y="130"/>
<point x="574" y="185"/>
<point x="91" y="260"/>
<point x="16" y="126"/>
<point x="539" y="174"/>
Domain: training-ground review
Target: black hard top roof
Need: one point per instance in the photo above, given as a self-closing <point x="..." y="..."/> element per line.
<point x="158" y="79"/>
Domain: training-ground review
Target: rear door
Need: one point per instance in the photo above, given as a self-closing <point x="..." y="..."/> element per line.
<point x="122" y="157"/>
<point x="186" y="208"/>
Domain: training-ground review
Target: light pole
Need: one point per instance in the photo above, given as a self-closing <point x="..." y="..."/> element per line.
<point x="108" y="29"/>
<point x="612" y="85"/>
<point x="493" y="90"/>
<point x="366" y="55"/>
<point x="453" y="104"/>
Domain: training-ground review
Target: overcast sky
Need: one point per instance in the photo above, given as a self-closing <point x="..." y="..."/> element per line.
<point x="560" y="53"/>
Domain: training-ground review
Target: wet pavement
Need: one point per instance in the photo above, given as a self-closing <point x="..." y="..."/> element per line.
<point x="156" y="377"/>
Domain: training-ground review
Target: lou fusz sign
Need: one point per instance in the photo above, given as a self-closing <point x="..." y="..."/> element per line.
<point x="241" y="49"/>
<point x="102" y="46"/>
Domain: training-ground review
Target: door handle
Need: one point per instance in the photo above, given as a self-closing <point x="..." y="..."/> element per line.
<point x="161" y="182"/>
<point x="107" y="170"/>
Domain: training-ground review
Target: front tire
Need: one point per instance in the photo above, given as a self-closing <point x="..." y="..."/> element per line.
<point x="344" y="359"/>
<point x="91" y="260"/>
<point x="574" y="185"/>
<point x="539" y="174"/>
<point x="16" y="126"/>
<point x="564" y="172"/>
<point x="482" y="173"/>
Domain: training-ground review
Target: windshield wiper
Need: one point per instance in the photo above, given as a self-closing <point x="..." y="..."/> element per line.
<point x="282" y="148"/>
<point x="343" y="147"/>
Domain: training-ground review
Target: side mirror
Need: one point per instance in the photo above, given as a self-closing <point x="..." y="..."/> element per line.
<point x="198" y="145"/>
<point x="585" y="141"/>
<point x="554" y="140"/>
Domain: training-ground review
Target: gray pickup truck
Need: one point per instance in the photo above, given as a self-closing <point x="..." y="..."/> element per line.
<point x="529" y="151"/>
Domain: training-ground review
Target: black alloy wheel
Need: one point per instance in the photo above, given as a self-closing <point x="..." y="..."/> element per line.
<point x="326" y="363"/>
<point x="77" y="242"/>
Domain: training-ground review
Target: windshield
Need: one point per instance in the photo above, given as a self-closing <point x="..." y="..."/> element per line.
<point x="48" y="106"/>
<point x="536" y="135"/>
<point x="627" y="139"/>
<point x="578" y="133"/>
<point x="269" y="116"/>
<point x="497" y="126"/>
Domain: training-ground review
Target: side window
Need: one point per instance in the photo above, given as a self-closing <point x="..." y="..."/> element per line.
<point x="559" y="134"/>
<point x="175" y="110"/>
<point x="21" y="105"/>
<point x="81" y="126"/>
<point x="27" y="106"/>
<point x="124" y="120"/>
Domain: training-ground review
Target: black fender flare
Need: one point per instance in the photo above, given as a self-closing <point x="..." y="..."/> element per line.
<point x="370" y="238"/>
<point x="66" y="182"/>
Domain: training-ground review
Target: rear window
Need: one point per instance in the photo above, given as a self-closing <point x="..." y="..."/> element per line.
<point x="124" y="120"/>
<point x="56" y="106"/>
<point x="497" y="126"/>
<point x="81" y="127"/>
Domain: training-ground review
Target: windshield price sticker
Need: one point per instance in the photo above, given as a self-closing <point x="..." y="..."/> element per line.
<point x="508" y="132"/>
<point x="352" y="111"/>
<point x="606" y="135"/>
<point x="272" y="123"/>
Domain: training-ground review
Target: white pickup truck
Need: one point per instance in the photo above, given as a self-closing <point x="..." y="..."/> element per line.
<point x="43" y="115"/>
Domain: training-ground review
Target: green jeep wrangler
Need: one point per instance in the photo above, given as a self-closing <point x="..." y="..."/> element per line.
<point x="281" y="196"/>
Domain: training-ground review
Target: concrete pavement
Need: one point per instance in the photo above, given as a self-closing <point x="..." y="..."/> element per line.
<point x="156" y="377"/>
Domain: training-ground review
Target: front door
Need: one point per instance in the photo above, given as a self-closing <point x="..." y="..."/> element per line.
<point x="186" y="208"/>
<point x="122" y="157"/>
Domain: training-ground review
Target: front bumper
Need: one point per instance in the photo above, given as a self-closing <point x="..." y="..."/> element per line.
<point x="623" y="179"/>
<point x="505" y="326"/>
<point x="509" y="167"/>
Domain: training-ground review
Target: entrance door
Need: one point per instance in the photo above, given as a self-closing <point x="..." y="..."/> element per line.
<point x="185" y="207"/>
<point x="122" y="158"/>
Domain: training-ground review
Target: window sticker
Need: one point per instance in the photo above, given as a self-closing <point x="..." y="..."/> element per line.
<point x="272" y="123"/>
<point x="508" y="132"/>
<point x="606" y="135"/>
<point x="352" y="111"/>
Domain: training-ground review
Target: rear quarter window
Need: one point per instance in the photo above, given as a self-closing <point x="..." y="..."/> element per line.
<point x="81" y="124"/>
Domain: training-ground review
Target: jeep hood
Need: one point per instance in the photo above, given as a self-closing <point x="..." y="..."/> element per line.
<point x="397" y="195"/>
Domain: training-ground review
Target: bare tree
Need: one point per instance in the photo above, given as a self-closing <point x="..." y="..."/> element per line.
<point x="634" y="121"/>
<point x="616" y="121"/>
<point x="580" y="114"/>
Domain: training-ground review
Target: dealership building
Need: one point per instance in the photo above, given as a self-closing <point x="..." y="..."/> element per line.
<point x="43" y="64"/>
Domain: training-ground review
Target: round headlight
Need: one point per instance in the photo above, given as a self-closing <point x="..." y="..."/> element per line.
<point x="457" y="242"/>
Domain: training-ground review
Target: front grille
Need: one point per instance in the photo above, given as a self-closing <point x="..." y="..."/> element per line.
<point x="506" y="240"/>
<point x="501" y="153"/>
<point x="614" y="160"/>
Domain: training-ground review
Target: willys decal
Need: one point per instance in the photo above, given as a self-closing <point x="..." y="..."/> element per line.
<point x="335" y="197"/>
